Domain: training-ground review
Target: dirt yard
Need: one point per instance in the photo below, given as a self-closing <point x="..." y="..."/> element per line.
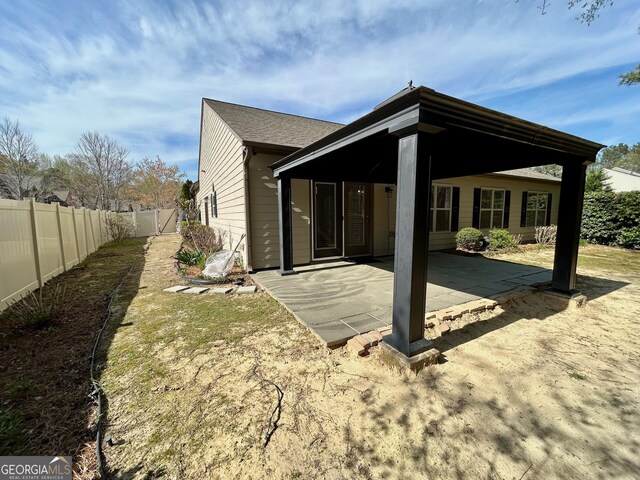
<point x="218" y="386"/>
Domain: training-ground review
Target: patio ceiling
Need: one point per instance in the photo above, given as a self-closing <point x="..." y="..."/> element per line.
<point x="415" y="137"/>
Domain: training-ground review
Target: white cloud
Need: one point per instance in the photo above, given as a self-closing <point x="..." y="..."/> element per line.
<point x="137" y="71"/>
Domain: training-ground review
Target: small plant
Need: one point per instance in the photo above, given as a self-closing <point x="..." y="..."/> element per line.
<point x="39" y="311"/>
<point x="119" y="228"/>
<point x="546" y="235"/>
<point x="500" y="239"/>
<point x="577" y="375"/>
<point x="583" y="242"/>
<point x="190" y="257"/>
<point x="470" y="239"/>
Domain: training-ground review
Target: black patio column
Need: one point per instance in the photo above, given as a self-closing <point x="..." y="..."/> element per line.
<point x="285" y="226"/>
<point x="569" y="218"/>
<point x="412" y="241"/>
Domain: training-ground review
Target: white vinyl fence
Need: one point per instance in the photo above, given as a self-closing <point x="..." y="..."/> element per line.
<point x="153" y="222"/>
<point x="39" y="241"/>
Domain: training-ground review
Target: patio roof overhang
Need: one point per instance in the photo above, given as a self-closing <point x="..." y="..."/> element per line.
<point x="465" y="138"/>
<point x="415" y="137"/>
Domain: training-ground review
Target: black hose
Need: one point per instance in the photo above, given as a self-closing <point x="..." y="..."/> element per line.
<point x="96" y="392"/>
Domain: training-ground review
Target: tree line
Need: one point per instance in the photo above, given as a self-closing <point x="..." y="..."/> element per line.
<point x="97" y="174"/>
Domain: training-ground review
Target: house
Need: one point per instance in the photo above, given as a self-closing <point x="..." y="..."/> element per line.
<point x="8" y="189"/>
<point x="621" y="180"/>
<point x="331" y="219"/>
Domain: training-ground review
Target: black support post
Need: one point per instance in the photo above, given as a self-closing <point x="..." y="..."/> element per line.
<point x="412" y="240"/>
<point x="284" y="219"/>
<point x="568" y="236"/>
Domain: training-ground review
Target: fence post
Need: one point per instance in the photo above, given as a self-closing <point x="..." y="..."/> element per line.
<point x="59" y="217"/>
<point x="36" y="246"/>
<point x="86" y="237"/>
<point x="75" y="233"/>
<point x="93" y="235"/>
<point x="157" y="216"/>
<point x="135" y="222"/>
<point x="100" y="226"/>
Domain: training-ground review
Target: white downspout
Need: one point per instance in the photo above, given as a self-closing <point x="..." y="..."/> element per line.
<point x="247" y="154"/>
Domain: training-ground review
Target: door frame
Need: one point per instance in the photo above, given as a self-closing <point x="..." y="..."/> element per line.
<point x="368" y="227"/>
<point x="338" y="222"/>
<point x="340" y="225"/>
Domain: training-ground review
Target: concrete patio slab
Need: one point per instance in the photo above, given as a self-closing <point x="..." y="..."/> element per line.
<point x="338" y="300"/>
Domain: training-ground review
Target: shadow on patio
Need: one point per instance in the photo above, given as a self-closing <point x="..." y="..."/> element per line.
<point x="341" y="299"/>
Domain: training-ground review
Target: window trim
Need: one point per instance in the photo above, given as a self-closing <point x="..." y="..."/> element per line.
<point x="433" y="210"/>
<point x="492" y="209"/>
<point x="527" y="210"/>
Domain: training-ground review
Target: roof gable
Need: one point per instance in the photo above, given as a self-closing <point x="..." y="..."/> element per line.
<point x="258" y="126"/>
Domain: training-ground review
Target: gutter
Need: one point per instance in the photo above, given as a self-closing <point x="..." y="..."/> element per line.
<point x="247" y="154"/>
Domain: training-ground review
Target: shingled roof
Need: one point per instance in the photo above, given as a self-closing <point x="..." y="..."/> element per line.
<point x="258" y="126"/>
<point x="266" y="127"/>
<point x="529" y="173"/>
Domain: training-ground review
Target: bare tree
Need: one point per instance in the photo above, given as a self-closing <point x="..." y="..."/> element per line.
<point x="18" y="159"/>
<point x="100" y="170"/>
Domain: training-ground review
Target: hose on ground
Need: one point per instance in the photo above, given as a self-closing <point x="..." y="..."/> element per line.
<point x="96" y="392"/>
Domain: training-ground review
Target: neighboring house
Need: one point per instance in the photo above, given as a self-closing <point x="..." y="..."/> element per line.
<point x="621" y="180"/>
<point x="7" y="190"/>
<point x="238" y="194"/>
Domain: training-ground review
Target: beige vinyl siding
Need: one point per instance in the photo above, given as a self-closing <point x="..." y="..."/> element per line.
<point x="263" y="194"/>
<point x="444" y="240"/>
<point x="221" y="158"/>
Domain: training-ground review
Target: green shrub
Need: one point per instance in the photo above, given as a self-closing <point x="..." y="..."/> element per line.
<point x="610" y="218"/>
<point x="190" y="257"/>
<point x="500" y="239"/>
<point x="470" y="239"/>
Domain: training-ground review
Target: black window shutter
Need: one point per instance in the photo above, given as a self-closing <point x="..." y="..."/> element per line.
<point x="475" y="223"/>
<point x="455" y="208"/>
<point x="507" y="209"/>
<point x="548" y="209"/>
<point x="523" y="211"/>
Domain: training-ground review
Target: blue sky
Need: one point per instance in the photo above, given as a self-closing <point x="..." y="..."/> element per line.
<point x="137" y="70"/>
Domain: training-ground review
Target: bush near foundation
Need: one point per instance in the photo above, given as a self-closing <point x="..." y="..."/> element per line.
<point x="470" y="239"/>
<point x="610" y="218"/>
<point x="500" y="239"/>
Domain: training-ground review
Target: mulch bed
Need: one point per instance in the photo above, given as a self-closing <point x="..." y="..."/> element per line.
<point x="44" y="373"/>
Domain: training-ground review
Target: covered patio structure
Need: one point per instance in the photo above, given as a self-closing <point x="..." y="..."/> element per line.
<point x="412" y="139"/>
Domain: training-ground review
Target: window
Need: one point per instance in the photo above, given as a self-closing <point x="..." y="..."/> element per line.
<point x="491" y="208"/>
<point x="440" y="213"/>
<point x="214" y="205"/>
<point x="537" y="203"/>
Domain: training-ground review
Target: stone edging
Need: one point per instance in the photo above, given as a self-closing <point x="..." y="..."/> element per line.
<point x="360" y="344"/>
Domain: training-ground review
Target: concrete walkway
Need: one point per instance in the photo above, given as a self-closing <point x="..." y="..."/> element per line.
<point x="342" y="299"/>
